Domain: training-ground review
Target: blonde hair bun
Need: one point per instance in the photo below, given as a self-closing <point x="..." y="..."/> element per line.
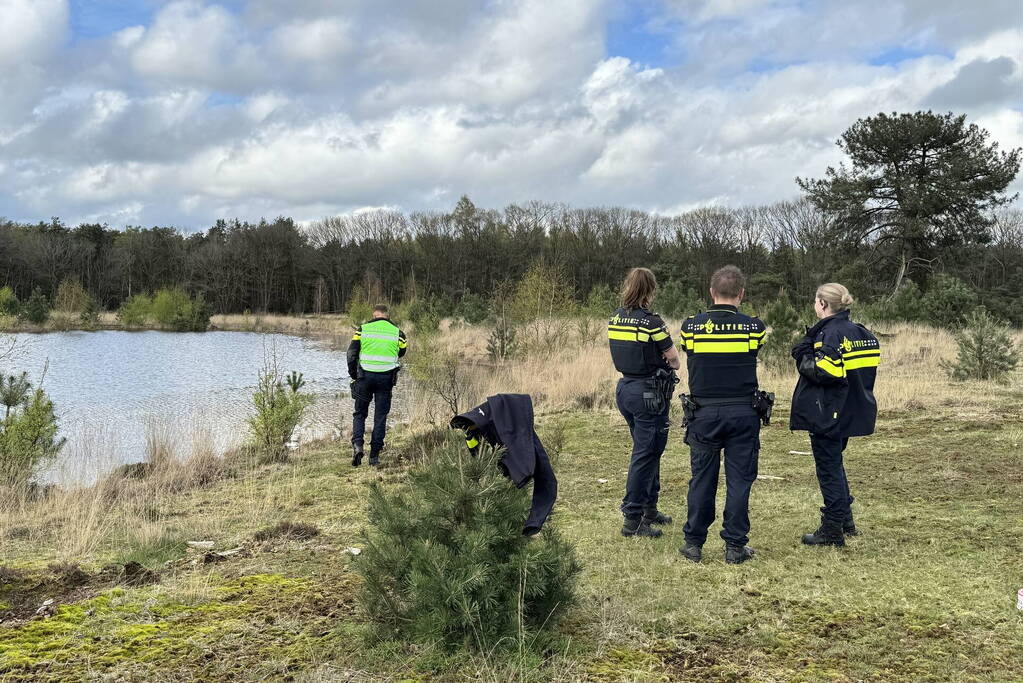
<point x="836" y="296"/>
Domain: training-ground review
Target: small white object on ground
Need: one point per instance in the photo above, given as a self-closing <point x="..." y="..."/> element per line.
<point x="200" y="545"/>
<point x="353" y="551"/>
<point x="1019" y="600"/>
<point x="771" y="477"/>
<point x="602" y="481"/>
<point x="800" y="453"/>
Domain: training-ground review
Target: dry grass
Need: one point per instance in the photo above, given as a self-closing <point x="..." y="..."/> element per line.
<point x="580" y="375"/>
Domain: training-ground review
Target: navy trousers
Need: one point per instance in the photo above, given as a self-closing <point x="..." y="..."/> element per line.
<point x="827" y="457"/>
<point x="649" y="437"/>
<point x="373" y="387"/>
<point x="736" y="431"/>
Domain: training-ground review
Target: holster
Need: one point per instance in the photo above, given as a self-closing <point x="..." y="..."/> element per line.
<point x="763" y="403"/>
<point x="689" y="407"/>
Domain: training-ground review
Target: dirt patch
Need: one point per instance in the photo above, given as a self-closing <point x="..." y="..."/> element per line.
<point x="291" y="530"/>
<point x="24" y="595"/>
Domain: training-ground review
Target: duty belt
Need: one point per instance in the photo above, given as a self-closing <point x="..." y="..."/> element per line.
<point x="723" y="401"/>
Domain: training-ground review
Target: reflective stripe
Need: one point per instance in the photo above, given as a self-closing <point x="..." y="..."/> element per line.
<point x="758" y="334"/>
<point x="817" y="345"/>
<point x="753" y="344"/>
<point x="722" y="336"/>
<point x="659" y="336"/>
<point x="860" y="354"/>
<point x="831" y="367"/>
<point x="621" y="336"/>
<point x="864" y="362"/>
<point x="472" y="443"/>
<point x="380" y="359"/>
<point x="723" y="347"/>
<point x="374" y="335"/>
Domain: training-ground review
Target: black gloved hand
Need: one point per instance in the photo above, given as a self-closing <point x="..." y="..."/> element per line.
<point x="802" y="347"/>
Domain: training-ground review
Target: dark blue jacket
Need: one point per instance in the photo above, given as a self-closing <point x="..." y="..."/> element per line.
<point x="837" y="362"/>
<point x="507" y="420"/>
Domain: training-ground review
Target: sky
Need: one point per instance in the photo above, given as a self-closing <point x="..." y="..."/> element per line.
<point x="180" y="112"/>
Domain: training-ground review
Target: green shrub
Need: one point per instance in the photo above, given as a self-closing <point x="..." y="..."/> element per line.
<point x="948" y="301"/>
<point x="423" y="314"/>
<point x="905" y="306"/>
<point x="472" y="309"/>
<point x="35" y="309"/>
<point x="135" y="311"/>
<point x="674" y="302"/>
<point x="446" y="563"/>
<point x="9" y="304"/>
<point x="785" y="326"/>
<point x="359" y="308"/>
<point x="541" y="302"/>
<point x="279" y="409"/>
<point x="28" y="430"/>
<point x="89" y="317"/>
<point x="175" y="310"/>
<point x="986" y="350"/>
<point x="71" y="297"/>
<point x="601" y="302"/>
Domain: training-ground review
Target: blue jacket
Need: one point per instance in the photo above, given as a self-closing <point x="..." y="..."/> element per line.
<point x="837" y="362"/>
<point x="506" y="420"/>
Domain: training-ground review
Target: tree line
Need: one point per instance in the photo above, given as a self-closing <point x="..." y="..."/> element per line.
<point x="923" y="198"/>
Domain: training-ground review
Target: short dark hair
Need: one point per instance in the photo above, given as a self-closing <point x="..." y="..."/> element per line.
<point x="728" y="282"/>
<point x="380" y="308"/>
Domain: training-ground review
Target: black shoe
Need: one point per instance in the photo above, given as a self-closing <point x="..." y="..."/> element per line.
<point x="735" y="554"/>
<point x="692" y="552"/>
<point x="374" y="459"/>
<point x="357" y="453"/>
<point x="825" y="535"/>
<point x="657" y="518"/>
<point x="849" y="527"/>
<point x="639" y="527"/>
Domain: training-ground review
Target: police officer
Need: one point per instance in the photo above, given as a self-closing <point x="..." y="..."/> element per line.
<point x="373" y="368"/>
<point x="721" y="346"/>
<point x="643" y="352"/>
<point x="837" y="362"/>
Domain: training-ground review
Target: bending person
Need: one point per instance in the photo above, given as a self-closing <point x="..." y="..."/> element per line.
<point x="834" y="400"/>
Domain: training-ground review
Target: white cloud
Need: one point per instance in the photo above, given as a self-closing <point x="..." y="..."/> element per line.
<point x="33" y="29"/>
<point x="327" y="108"/>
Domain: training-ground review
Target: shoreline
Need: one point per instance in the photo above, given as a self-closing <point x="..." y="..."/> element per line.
<point x="314" y="326"/>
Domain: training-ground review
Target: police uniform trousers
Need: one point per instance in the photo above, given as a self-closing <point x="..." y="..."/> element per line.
<point x="649" y="437"/>
<point x="735" y="429"/>
<point x="372" y="387"/>
<point x="828" y="460"/>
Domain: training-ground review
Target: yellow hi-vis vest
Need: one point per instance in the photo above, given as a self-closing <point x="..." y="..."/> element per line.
<point x="378" y="346"/>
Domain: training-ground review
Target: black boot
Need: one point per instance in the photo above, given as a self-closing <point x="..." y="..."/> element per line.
<point x="849" y="526"/>
<point x="656" y="517"/>
<point x="692" y="552"/>
<point x="737" y="554"/>
<point x="828" y="533"/>
<point x="637" y="526"/>
<point x="374" y="458"/>
<point x="357" y="453"/>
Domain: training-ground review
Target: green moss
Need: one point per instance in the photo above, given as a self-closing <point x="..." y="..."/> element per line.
<point x="146" y="626"/>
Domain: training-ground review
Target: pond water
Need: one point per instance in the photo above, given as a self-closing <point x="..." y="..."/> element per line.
<point x="111" y="389"/>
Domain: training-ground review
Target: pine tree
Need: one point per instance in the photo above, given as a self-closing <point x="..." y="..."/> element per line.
<point x="446" y="562"/>
<point x="784" y="322"/>
<point x="986" y="350"/>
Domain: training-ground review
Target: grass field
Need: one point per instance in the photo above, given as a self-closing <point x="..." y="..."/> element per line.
<point x="927" y="592"/>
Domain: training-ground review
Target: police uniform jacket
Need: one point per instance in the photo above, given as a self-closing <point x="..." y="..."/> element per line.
<point x="721" y="346"/>
<point x="638" y="339"/>
<point x="506" y="420"/>
<point x="837" y="362"/>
